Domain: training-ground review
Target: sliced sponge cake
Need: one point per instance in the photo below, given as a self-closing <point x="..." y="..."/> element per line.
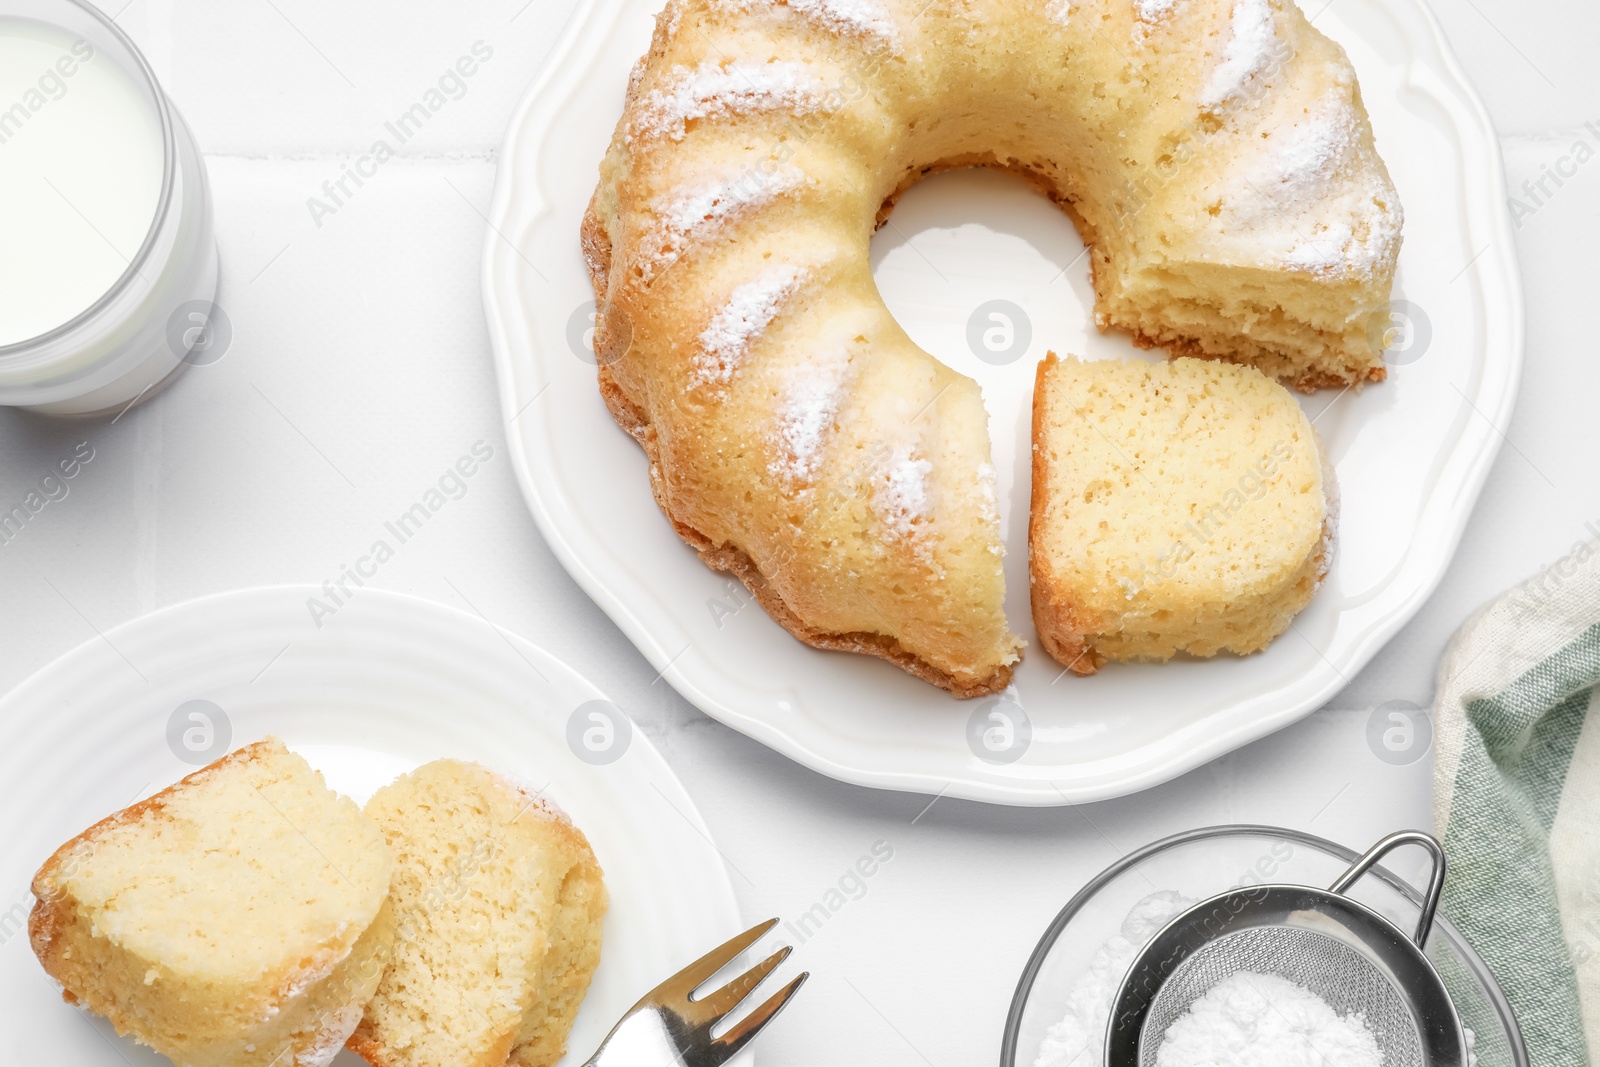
<point x="498" y="902"/>
<point x="1177" y="507"/>
<point x="237" y="918"/>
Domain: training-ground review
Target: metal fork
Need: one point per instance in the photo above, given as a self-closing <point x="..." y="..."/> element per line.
<point x="671" y="1026"/>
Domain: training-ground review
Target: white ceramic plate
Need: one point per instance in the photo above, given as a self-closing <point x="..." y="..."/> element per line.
<point x="1410" y="454"/>
<point x="386" y="684"/>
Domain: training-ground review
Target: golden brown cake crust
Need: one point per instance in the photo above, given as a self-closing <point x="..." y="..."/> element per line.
<point x="1307" y="382"/>
<point x="729" y="558"/>
<point x="50" y="915"/>
<point x="1059" y="622"/>
<point x="670" y="139"/>
<point x="368" y="1047"/>
<point x="303" y="1005"/>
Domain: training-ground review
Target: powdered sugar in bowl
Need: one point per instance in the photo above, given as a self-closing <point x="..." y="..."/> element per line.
<point x="1057" y="1016"/>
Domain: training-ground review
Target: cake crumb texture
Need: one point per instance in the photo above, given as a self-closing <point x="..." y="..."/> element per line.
<point x="1177" y="507"/>
<point x="237" y="918"/>
<point x="499" y="903"/>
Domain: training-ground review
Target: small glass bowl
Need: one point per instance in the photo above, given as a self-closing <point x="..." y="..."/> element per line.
<point x="1202" y="863"/>
<point x="138" y="335"/>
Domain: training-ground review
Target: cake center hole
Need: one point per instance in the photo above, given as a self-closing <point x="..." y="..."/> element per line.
<point x="987" y="274"/>
<point x="984" y="272"/>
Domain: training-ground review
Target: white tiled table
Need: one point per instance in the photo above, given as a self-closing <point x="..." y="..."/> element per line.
<point x="359" y="369"/>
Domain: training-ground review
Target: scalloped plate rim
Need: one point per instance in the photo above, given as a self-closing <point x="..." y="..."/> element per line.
<point x="1477" y="135"/>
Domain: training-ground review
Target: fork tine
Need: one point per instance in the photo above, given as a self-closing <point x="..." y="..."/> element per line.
<point x="695" y="975"/>
<point x="729" y="1044"/>
<point x="716" y="1005"/>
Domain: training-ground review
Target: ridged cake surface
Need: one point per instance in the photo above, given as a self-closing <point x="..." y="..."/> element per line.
<point x="1215" y="154"/>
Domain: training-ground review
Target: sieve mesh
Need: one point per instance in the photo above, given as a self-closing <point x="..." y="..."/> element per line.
<point x="1343" y="977"/>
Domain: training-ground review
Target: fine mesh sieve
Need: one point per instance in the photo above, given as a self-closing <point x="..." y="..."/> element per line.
<point x="1352" y="958"/>
<point x="1345" y="979"/>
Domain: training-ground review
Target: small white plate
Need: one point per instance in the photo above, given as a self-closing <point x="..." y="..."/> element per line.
<point x="1410" y="454"/>
<point x="387" y="683"/>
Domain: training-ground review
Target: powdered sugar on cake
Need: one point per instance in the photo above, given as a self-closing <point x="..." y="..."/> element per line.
<point x="1308" y="199"/>
<point x="1337" y="248"/>
<point x="863" y="18"/>
<point x="988" y="500"/>
<point x="1312" y="153"/>
<point x="671" y="17"/>
<point x="1151" y="11"/>
<point x="1251" y="49"/>
<point x="901" y="494"/>
<point x="692" y="214"/>
<point x="315" y="970"/>
<point x="989" y="505"/>
<point x="847" y="18"/>
<point x="336" y="1030"/>
<point x="806" y="414"/>
<point x="712" y="90"/>
<point x="1318" y="154"/>
<point x="749" y="311"/>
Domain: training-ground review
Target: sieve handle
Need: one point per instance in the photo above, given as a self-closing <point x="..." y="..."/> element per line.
<point x="1430" y="902"/>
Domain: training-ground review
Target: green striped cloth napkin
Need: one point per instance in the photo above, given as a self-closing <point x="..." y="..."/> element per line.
<point x="1517" y="800"/>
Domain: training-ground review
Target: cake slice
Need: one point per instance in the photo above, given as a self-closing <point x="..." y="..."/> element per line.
<point x="498" y="903"/>
<point x="1177" y="507"/>
<point x="237" y="918"/>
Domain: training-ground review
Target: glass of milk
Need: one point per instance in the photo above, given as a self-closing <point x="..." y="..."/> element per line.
<point x="108" y="258"/>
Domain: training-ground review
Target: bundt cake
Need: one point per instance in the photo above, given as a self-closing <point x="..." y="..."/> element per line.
<point x="236" y="919"/>
<point x="1214" y="154"/>
<point x="498" y="907"/>
<point x="1177" y="507"/>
